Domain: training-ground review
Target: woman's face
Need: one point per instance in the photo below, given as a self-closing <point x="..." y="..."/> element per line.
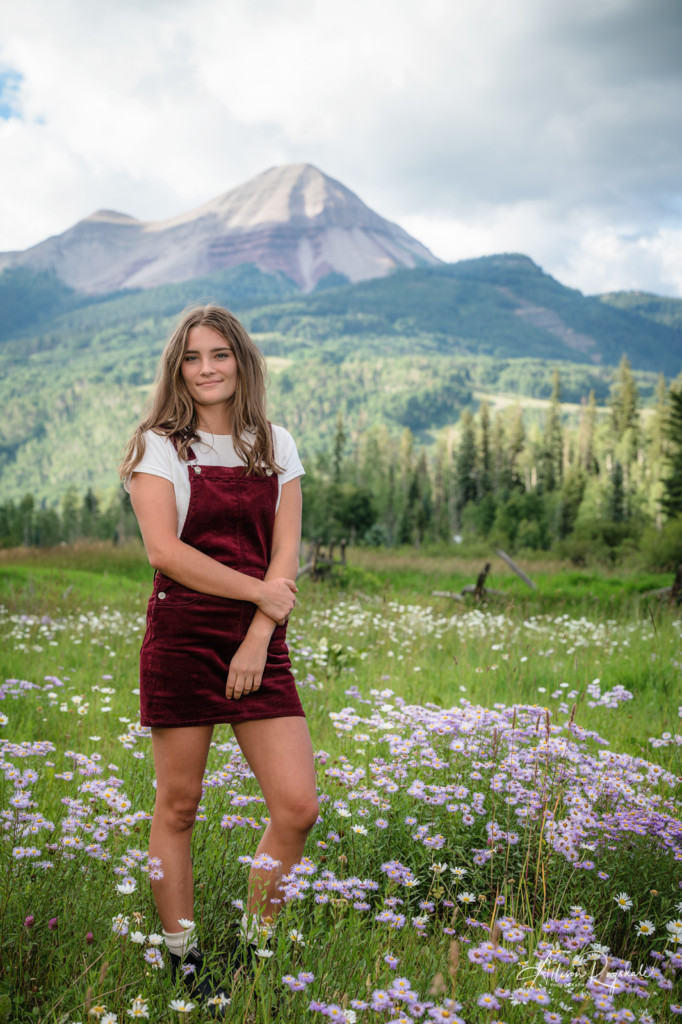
<point x="209" y="368"/>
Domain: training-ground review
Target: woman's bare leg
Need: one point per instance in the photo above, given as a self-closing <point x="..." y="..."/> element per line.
<point x="280" y="755"/>
<point x="180" y="761"/>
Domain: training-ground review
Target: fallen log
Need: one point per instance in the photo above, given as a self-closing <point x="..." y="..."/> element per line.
<point x="470" y="588"/>
<point x="673" y="593"/>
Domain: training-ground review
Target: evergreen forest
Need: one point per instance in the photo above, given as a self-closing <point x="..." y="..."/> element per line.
<point x="480" y="403"/>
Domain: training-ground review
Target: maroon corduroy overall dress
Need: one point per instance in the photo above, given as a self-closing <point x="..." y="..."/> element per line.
<point x="192" y="637"/>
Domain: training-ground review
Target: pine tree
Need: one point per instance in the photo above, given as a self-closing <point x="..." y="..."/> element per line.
<point x="89" y="514"/>
<point x="616" y="505"/>
<point x="517" y="442"/>
<point x="484" y="462"/>
<point x="659" y="422"/>
<point x="586" y="439"/>
<point x="572" y="493"/>
<point x="70" y="517"/>
<point x="424" y="508"/>
<point x="440" y="500"/>
<point x="672" y="497"/>
<point x="551" y="461"/>
<point x="624" y="404"/>
<point x="339" y="446"/>
<point x="465" y="464"/>
<point x="390" y="504"/>
<point x="501" y="475"/>
<point x="27" y="514"/>
<point x="408" y="519"/>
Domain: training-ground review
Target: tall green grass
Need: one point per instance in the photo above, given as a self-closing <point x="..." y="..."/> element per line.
<point x="376" y="655"/>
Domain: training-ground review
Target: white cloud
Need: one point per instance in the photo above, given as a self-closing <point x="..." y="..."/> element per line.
<point x="610" y="261"/>
<point x="580" y="252"/>
<point x="550" y="129"/>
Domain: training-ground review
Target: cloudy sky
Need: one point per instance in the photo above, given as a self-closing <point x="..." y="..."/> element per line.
<point x="549" y="127"/>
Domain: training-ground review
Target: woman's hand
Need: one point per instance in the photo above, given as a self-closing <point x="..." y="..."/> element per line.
<point x="277" y="598"/>
<point x="246" y="668"/>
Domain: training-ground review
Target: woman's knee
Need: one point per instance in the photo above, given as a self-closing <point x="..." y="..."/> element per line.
<point x="298" y="812"/>
<point x="178" y="807"/>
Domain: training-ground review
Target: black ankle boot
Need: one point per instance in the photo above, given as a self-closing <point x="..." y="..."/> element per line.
<point x="201" y="984"/>
<point x="242" y="957"/>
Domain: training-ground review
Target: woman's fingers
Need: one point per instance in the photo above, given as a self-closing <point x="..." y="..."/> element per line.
<point x="277" y="598"/>
<point x="241" y="686"/>
<point x="246" y="670"/>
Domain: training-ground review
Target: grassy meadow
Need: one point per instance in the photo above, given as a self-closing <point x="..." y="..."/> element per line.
<point x="500" y="834"/>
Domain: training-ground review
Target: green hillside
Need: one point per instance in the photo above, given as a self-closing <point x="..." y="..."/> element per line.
<point x="501" y="306"/>
<point x="407" y="351"/>
<point x="652" y="307"/>
<point x="43" y="312"/>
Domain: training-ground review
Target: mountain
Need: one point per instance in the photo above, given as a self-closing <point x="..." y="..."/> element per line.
<point x="658" y="308"/>
<point x="501" y="306"/>
<point x="293" y="221"/>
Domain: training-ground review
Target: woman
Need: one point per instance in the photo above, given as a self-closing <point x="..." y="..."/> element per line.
<point x="217" y="495"/>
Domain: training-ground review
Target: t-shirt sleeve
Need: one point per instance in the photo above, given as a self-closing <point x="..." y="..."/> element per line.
<point x="286" y="456"/>
<point x="157" y="458"/>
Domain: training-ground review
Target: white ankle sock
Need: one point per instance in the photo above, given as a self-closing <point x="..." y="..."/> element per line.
<point x="180" y="943"/>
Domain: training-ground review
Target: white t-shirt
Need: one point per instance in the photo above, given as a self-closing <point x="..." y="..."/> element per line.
<point x="161" y="459"/>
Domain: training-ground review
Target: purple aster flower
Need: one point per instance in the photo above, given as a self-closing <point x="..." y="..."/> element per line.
<point x="334" y="1012"/>
<point x="380" y="1000"/>
<point x="488" y="1002"/>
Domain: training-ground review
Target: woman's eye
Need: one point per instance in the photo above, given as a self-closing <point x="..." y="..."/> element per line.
<point x="224" y="355"/>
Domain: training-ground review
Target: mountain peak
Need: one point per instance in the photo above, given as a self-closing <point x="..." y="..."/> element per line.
<point x="110" y="217"/>
<point x="293" y="220"/>
<point x="294" y="194"/>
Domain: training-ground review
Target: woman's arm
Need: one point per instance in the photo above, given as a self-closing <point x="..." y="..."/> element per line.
<point x="247" y="665"/>
<point x="153" y="501"/>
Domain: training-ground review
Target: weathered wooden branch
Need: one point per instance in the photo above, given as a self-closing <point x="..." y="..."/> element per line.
<point x="479" y="589"/>
<point x="519" y="572"/>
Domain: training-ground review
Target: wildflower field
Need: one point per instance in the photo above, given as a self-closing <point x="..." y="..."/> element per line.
<point x="500" y="834"/>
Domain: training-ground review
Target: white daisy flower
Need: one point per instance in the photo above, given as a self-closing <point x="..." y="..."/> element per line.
<point x="645" y="928"/>
<point x="181" y="1005"/>
<point x="127" y="886"/>
<point x="623" y="901"/>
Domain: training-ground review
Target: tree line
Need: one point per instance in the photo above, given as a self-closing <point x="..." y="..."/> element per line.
<point x="599" y="482"/>
<point x="32" y="523"/>
<point x="593" y="483"/>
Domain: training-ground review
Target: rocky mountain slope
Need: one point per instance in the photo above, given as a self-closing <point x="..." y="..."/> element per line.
<point x="291" y="220"/>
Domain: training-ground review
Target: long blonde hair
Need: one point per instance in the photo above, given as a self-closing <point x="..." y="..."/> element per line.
<point x="172" y="411"/>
